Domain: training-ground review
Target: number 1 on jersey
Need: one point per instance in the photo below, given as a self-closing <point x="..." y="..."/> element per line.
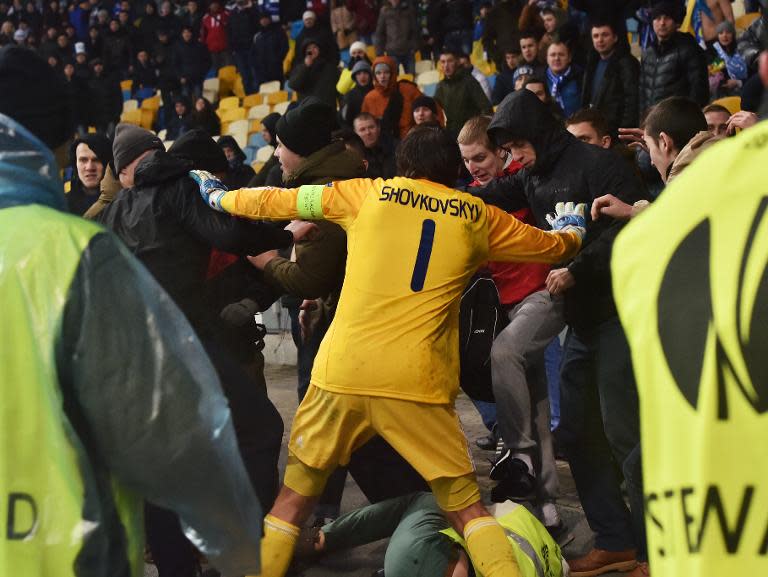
<point x="423" y="254"/>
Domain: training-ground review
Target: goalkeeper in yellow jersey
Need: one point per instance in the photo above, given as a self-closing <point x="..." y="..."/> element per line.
<point x="389" y="362"/>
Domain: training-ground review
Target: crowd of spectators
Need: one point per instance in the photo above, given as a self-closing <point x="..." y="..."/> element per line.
<point x="576" y="109"/>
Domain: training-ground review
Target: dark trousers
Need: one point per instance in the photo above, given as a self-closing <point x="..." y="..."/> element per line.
<point x="259" y="431"/>
<point x="242" y="60"/>
<point x="599" y="433"/>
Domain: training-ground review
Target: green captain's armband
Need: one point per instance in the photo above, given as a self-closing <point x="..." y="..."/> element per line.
<point x="309" y="202"/>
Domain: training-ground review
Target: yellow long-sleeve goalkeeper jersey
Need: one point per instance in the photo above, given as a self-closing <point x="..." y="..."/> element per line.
<point x="412" y="246"/>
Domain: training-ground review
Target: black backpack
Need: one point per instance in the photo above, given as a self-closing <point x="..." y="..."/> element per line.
<point x="481" y="318"/>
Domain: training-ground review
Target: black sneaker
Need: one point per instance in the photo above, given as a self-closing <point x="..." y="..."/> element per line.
<point x="514" y="490"/>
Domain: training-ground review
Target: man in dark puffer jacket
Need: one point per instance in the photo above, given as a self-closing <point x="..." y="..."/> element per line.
<point x="674" y="65"/>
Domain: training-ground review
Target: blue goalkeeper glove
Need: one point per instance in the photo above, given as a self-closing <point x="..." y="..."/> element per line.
<point x="569" y="217"/>
<point x="211" y="188"/>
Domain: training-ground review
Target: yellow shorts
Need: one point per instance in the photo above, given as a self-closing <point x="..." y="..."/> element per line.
<point x="329" y="427"/>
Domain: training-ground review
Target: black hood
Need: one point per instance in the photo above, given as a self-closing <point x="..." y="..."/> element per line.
<point x="522" y="116"/>
<point x="229" y="141"/>
<point x="197" y="146"/>
<point x="159" y="167"/>
<point x="270" y="123"/>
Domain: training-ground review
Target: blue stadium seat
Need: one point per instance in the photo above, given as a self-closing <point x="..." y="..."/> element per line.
<point x="250" y="154"/>
<point x="256" y="140"/>
<point x="492" y="80"/>
<point x="429" y="89"/>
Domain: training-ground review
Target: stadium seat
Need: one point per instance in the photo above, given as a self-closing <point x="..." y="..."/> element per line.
<point x="126" y="85"/>
<point x="256" y="140"/>
<point x="131" y="117"/>
<point x="148" y="117"/>
<point x="745" y="20"/>
<point x="276" y="97"/>
<point x="211" y="89"/>
<point x="161" y="134"/>
<point x="130" y="105"/>
<point x="732" y="103"/>
<point x="408" y="77"/>
<point x="264" y="153"/>
<point x="250" y="154"/>
<point x="429" y="89"/>
<point x="168" y="144"/>
<point x="269" y="87"/>
<point x="231" y="114"/>
<point x="428" y="77"/>
<point x="253" y="100"/>
<point x="370" y="50"/>
<point x="229" y="102"/>
<point x="258" y="112"/>
<point x="151" y="103"/>
<point x="281" y="107"/>
<point x="424" y="66"/>
<point x="257" y="165"/>
<point x="238" y="129"/>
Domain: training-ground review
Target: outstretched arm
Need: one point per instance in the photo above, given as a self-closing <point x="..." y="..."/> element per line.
<point x="337" y="201"/>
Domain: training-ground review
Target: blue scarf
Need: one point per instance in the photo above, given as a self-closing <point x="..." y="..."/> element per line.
<point x="735" y="65"/>
<point x="556" y="80"/>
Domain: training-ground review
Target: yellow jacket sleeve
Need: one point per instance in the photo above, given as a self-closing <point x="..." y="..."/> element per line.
<point x="338" y="202"/>
<point x="512" y="240"/>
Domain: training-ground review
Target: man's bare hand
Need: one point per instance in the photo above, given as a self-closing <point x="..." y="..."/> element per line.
<point x="632" y="137"/>
<point x="559" y="280"/>
<point x="611" y="206"/>
<point x="301" y="230"/>
<point x="304" y="319"/>
<point x="260" y="261"/>
<point x="743" y="120"/>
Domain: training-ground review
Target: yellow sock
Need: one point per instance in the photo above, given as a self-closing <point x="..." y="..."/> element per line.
<point x="277" y="546"/>
<point x="489" y="549"/>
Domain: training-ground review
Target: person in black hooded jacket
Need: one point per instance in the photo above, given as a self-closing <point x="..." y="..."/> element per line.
<point x="270" y="174"/>
<point x="239" y="174"/>
<point x="559" y="168"/>
<point x="162" y="219"/>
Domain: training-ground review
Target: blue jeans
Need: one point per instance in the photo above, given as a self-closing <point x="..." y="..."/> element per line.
<point x="553" y="357"/>
<point x="487" y="413"/>
<point x="406" y="60"/>
<point x="599" y="432"/>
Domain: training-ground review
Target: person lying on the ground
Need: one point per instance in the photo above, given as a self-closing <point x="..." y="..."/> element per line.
<point x="389" y="362"/>
<point x="422" y="544"/>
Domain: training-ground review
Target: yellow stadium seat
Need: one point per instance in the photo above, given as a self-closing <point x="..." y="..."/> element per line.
<point x="229" y="102"/>
<point x="253" y="100"/>
<point x="231" y="114"/>
<point x="275" y="97"/>
<point x="745" y="20"/>
<point x="126" y="84"/>
<point x="257" y="165"/>
<point x="268" y="87"/>
<point x="371" y="51"/>
<point x="152" y="103"/>
<point x="239" y="88"/>
<point x="408" y="77"/>
<point x="131" y="117"/>
<point x="258" y="112"/>
<point x="732" y="103"/>
<point x="264" y="153"/>
<point x="228" y="72"/>
<point x="148" y="118"/>
<point x="92" y="130"/>
<point x="130" y="105"/>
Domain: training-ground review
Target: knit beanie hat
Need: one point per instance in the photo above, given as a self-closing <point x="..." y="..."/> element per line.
<point x="361" y="66"/>
<point x="131" y="141"/>
<point x="666" y="9"/>
<point x="44" y="112"/>
<point x="357" y="45"/>
<point x="425" y="101"/>
<point x="197" y="145"/>
<point x="726" y="26"/>
<point x="306" y="128"/>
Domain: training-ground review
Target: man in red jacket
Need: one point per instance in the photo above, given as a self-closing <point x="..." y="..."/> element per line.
<point x="526" y="470"/>
<point x="213" y="33"/>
